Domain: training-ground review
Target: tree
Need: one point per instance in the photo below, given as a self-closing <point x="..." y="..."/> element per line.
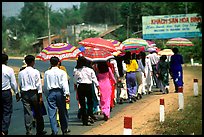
<point x="34" y="18"/>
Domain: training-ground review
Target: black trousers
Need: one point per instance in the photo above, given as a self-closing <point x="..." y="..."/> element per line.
<point x="6" y="110"/>
<point x="31" y="99"/>
<point x="155" y="80"/>
<point x="84" y="92"/>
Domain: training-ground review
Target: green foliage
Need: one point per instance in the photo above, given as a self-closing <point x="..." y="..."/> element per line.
<point x="4" y="40"/>
<point x="26" y="44"/>
<point x="34" y="18"/>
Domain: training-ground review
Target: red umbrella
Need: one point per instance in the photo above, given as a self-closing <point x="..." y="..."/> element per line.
<point x="97" y="54"/>
<point x="98" y="43"/>
<point x="179" y="42"/>
<point x="60" y="50"/>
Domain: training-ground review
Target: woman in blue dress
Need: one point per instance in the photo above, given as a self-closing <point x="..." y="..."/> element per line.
<point x="176" y="69"/>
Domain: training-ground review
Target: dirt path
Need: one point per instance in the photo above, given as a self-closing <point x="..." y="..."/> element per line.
<point x="144" y="111"/>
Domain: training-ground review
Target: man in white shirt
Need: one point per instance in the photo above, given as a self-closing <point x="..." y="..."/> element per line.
<point x="31" y="92"/>
<point x="57" y="87"/>
<point x="154" y="59"/>
<point x="8" y="82"/>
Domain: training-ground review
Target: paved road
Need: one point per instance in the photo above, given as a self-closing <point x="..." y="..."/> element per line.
<point x="17" y="122"/>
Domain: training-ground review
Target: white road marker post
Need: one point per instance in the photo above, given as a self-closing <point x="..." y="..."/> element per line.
<point x="181" y="98"/>
<point x="161" y="110"/>
<point x="127" y="126"/>
<point x="195" y="87"/>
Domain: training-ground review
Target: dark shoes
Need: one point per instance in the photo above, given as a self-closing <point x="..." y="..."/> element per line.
<point x="94" y="117"/>
<point x="105" y="117"/>
<point x="86" y="124"/>
<point x="139" y="96"/>
<point x="41" y="133"/>
<point x="66" y="132"/>
<point x="167" y="90"/>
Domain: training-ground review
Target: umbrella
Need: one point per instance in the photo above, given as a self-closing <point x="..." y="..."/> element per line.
<point x="116" y="43"/>
<point x="179" y="42"/>
<point x="60" y="50"/>
<point x="151" y="49"/>
<point x="97" y="54"/>
<point x="98" y="43"/>
<point x="150" y="43"/>
<point x="134" y="44"/>
<point x="167" y="52"/>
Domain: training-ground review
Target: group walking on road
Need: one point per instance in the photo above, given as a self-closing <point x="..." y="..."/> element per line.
<point x="99" y="86"/>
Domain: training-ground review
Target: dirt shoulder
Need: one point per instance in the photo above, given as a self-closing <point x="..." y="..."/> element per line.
<point x="145" y="111"/>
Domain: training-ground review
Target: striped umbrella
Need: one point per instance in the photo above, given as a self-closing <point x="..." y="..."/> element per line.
<point x="132" y="44"/>
<point x="179" y="42"/>
<point x="61" y="50"/>
<point x="98" y="43"/>
<point x="151" y="43"/>
<point x="97" y="54"/>
<point x="116" y="43"/>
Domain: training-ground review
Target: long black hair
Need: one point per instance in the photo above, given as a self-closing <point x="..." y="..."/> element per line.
<point x="127" y="57"/>
<point x="81" y="62"/>
<point x="143" y="56"/>
<point x="102" y="67"/>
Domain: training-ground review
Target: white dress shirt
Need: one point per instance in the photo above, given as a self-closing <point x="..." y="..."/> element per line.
<point x="8" y="79"/>
<point x="56" y="78"/>
<point x="29" y="79"/>
<point x="154" y="58"/>
<point x="85" y="75"/>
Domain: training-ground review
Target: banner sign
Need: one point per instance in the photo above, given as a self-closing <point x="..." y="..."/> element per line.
<point x="171" y="26"/>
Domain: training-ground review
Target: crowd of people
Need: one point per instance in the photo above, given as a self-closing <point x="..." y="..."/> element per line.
<point x="99" y="87"/>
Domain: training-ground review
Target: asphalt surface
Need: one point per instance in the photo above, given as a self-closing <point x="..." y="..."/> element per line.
<point x="75" y="125"/>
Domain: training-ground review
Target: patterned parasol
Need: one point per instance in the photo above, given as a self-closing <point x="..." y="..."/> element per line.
<point x="98" y="43"/>
<point x="61" y="50"/>
<point x="134" y="44"/>
<point x="97" y="54"/>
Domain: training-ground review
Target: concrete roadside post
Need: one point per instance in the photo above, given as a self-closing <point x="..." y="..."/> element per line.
<point x="127" y="125"/>
<point x="181" y="98"/>
<point x="161" y="110"/>
<point x="195" y="87"/>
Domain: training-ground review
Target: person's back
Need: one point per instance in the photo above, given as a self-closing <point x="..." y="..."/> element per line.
<point x="8" y="83"/>
<point x="57" y="87"/>
<point x="31" y="92"/>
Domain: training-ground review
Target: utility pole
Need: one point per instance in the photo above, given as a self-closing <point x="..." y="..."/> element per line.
<point x="48" y="22"/>
<point x="186" y="7"/>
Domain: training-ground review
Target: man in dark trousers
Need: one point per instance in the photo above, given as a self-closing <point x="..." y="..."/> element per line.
<point x="31" y="92"/>
<point x="8" y="82"/>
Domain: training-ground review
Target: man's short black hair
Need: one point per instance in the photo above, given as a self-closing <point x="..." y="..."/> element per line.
<point x="175" y="50"/>
<point x="4" y="58"/>
<point x="54" y="61"/>
<point x="29" y="59"/>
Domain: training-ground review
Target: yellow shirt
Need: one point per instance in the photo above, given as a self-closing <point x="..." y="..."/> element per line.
<point x="63" y="68"/>
<point x="133" y="66"/>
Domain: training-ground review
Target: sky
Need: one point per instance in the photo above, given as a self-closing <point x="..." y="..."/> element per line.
<point x="14" y="8"/>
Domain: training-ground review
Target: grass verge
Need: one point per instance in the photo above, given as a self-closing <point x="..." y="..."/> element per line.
<point x="189" y="120"/>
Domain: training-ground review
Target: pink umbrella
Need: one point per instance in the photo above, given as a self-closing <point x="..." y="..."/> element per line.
<point x="151" y="43"/>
